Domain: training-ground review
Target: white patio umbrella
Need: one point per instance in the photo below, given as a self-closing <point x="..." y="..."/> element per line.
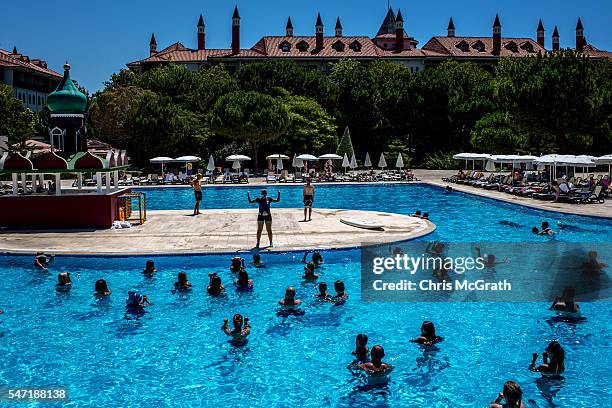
<point x="162" y="160"/>
<point x="353" y="164"/>
<point x="297" y="163"/>
<point x="367" y="163"/>
<point x="277" y="156"/>
<point x="382" y="163"/>
<point x="186" y="160"/>
<point x="211" y="163"/>
<point x="490" y="165"/>
<point x="305" y="158"/>
<point x="400" y="161"/>
<point x="238" y="157"/>
<point x="330" y="156"/>
<point x="345" y="162"/>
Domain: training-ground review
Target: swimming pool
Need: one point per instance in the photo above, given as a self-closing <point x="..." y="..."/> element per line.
<point x="458" y="216"/>
<point x="176" y="354"/>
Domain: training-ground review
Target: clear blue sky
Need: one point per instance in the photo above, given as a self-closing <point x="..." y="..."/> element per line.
<point x="100" y="37"/>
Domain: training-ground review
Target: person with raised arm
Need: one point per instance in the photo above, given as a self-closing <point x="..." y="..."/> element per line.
<point x="264" y="216"/>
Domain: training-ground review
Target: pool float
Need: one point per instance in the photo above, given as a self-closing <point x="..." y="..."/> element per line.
<point x="360" y="223"/>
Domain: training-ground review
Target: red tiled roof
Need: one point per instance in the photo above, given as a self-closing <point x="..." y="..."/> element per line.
<point x="591" y="51"/>
<point x="8" y="59"/>
<point x="177" y="52"/>
<point x="270" y="46"/>
<point x="456" y="47"/>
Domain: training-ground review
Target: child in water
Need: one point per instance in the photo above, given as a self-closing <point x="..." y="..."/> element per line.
<point x="136" y="302"/>
<point x="182" y="283"/>
<point x="215" y="287"/>
<point x="553" y="360"/>
<point x="341" y="295"/>
<point x="513" y="395"/>
<point x="376" y="369"/>
<point x="102" y="288"/>
<point x="243" y="282"/>
<point x="257" y="262"/>
<point x="428" y="335"/>
<point x="362" y="352"/>
<point x="239" y="333"/>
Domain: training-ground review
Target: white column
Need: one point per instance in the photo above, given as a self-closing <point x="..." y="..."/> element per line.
<point x="58" y="184"/>
<point x="99" y="182"/>
<point x="108" y="186"/>
<point x="80" y="181"/>
<point x="15" y="181"/>
<point x="116" y="179"/>
<point x="34" y="183"/>
<point x="41" y="179"/>
<point x="23" y="182"/>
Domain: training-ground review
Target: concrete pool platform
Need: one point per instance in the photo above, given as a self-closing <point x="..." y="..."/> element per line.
<point x="217" y="231"/>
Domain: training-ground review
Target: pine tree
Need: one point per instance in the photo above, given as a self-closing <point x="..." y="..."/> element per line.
<point x="346" y="145"/>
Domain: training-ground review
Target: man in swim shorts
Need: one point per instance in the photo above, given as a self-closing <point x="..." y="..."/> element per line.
<point x="264" y="215"/>
<point x="197" y="191"/>
<point x="308" y="198"/>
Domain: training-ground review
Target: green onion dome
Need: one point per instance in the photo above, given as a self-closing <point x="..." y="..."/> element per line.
<point x="67" y="98"/>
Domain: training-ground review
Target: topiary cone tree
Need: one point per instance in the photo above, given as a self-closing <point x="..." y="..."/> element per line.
<point x="345" y="145"/>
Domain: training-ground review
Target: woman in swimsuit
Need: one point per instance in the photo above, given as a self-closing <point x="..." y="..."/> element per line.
<point x="149" y="268"/>
<point x="322" y="295"/>
<point x="309" y="272"/>
<point x="264" y="215"/>
<point x="237" y="264"/>
<point x="243" y="282"/>
<point x="64" y="282"/>
<point x="182" y="284"/>
<point x="102" y="288"/>
<point x="362" y="352"/>
<point x="240" y="333"/>
<point x="513" y="395"/>
<point x="308" y="198"/>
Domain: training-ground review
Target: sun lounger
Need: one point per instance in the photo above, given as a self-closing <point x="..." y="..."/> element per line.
<point x="271" y="178"/>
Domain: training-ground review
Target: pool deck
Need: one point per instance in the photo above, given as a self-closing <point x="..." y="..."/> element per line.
<point x="219" y="231"/>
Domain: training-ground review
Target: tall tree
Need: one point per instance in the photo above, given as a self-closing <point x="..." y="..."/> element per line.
<point x="16" y="122"/>
<point x="346" y="144"/>
<point x="250" y="116"/>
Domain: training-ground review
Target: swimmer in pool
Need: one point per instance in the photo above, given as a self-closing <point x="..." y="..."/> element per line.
<point x="322" y="294"/>
<point x="215" y="287"/>
<point x="536" y="231"/>
<point x="341" y="294"/>
<point x="237" y="264"/>
<point x="257" y="262"/>
<point x="289" y="301"/>
<point x="376" y="369"/>
<point x="42" y="261"/>
<point x="435" y="248"/>
<point x="243" y="282"/>
<point x="449" y="188"/>
<point x="512" y="394"/>
<point x="63" y="281"/>
<point x="317" y="258"/>
<point x="592" y="265"/>
<point x="309" y="272"/>
<point x="425" y="216"/>
<point x="428" y="335"/>
<point x="102" y="288"/>
<point x="489" y="259"/>
<point x="566" y="302"/>
<point x="509" y="223"/>
<point x="417" y="214"/>
<point x="136" y="301"/>
<point x="546" y="229"/>
<point x="239" y="333"/>
<point x="149" y="268"/>
<point x="182" y="283"/>
<point x="553" y="359"/>
<point x="361" y="352"/>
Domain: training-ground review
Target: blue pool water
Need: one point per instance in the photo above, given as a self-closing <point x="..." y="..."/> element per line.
<point x="458" y="216"/>
<point x="176" y="354"/>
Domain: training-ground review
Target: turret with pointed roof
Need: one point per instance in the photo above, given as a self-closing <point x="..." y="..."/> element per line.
<point x="580" y="40"/>
<point x="201" y="34"/>
<point x="319" y="33"/>
<point x="289" y="28"/>
<point x="496" y="36"/>
<point x="555" y="40"/>
<point x="399" y="32"/>
<point x="451" y="28"/>
<point x="338" y="28"/>
<point x="540" y="33"/>
<point x="235" y="32"/>
<point x="152" y="45"/>
<point x="388" y="24"/>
